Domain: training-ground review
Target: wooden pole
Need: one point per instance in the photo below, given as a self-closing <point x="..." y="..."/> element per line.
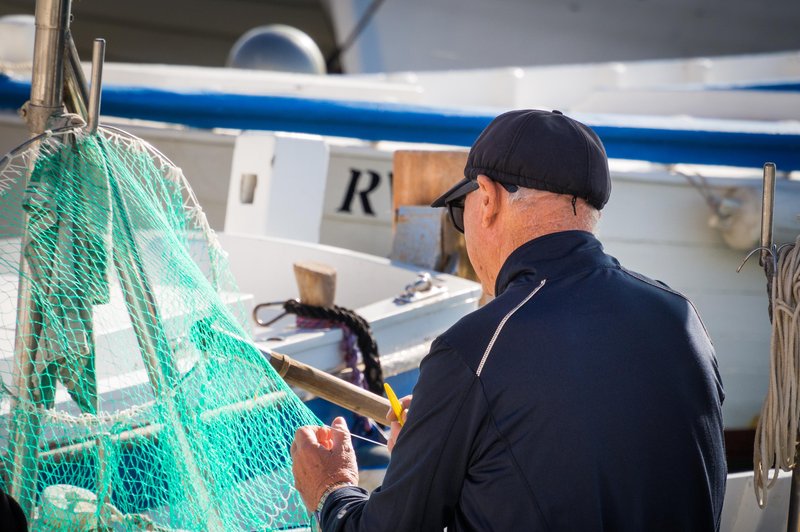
<point x="330" y="388"/>
<point x="316" y="283"/>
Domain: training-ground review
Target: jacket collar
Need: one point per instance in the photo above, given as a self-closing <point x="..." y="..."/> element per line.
<point x="553" y="255"/>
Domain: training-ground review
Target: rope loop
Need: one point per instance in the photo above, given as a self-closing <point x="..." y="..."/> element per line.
<point x="357" y="325"/>
<point x="777" y="429"/>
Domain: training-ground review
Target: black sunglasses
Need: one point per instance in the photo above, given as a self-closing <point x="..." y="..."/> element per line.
<point x="456" y="206"/>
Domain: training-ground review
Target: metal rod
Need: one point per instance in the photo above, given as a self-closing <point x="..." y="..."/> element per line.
<point x="767" y="209"/>
<point x="47" y="81"/>
<point x="98" y="56"/>
<point x="52" y="20"/>
<point x="76" y="91"/>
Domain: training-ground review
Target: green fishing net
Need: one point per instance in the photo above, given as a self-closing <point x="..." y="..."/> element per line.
<point x="131" y="400"/>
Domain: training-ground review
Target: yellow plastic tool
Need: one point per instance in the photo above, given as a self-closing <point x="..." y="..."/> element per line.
<point x="397" y="407"/>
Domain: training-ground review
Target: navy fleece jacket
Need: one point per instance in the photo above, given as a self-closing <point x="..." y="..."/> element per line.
<point x="583" y="397"/>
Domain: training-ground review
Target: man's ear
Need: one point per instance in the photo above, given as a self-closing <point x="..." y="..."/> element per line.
<point x="489" y="194"/>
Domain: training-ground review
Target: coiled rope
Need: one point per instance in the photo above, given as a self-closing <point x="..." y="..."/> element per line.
<point x="358" y="326"/>
<point x="776" y="433"/>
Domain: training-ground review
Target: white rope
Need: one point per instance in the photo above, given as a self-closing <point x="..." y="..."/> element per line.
<point x="101" y="419"/>
<point x="172" y="173"/>
<point x="776" y="433"/>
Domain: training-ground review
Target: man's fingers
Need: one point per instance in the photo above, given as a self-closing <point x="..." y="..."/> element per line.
<point x="304" y="437"/>
<point x="395" y="431"/>
<point x="405" y="402"/>
<point x="340" y="432"/>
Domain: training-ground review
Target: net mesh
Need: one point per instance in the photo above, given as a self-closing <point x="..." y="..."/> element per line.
<point x="130" y="400"/>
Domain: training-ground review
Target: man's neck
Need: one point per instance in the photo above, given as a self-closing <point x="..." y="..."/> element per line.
<point x="519" y="233"/>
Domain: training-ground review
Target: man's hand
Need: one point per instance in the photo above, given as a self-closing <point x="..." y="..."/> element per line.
<point x="322" y="457"/>
<point x="392" y="419"/>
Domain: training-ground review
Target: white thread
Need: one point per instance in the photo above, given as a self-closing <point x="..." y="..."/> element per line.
<point x="776" y="432"/>
<point x="502" y="323"/>
<point x="356" y="436"/>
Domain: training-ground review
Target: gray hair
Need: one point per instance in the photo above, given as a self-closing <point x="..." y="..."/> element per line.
<point x="522" y="193"/>
<point x="525" y="198"/>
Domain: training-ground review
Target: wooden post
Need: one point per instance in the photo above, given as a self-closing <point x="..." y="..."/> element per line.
<point x="316" y="283"/>
<point x="418" y="178"/>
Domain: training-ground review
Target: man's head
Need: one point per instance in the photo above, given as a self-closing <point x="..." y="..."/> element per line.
<point x="528" y="174"/>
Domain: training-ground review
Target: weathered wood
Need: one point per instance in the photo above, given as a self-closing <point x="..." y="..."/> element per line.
<point x="328" y="387"/>
<point x="419" y="177"/>
<point x="316" y="283"/>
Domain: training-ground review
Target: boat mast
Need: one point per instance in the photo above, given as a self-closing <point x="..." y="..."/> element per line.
<point x="47" y="81"/>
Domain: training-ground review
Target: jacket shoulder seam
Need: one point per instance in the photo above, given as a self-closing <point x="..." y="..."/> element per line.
<point x="665" y="288"/>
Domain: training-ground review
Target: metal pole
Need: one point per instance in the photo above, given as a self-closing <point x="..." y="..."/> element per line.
<point x="76" y="92"/>
<point x="52" y="20"/>
<point x="98" y="56"/>
<point x="793" y="521"/>
<point x="47" y="78"/>
<point x="767" y="209"/>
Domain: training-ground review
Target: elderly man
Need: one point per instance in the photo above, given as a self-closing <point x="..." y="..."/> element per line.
<point x="583" y="397"/>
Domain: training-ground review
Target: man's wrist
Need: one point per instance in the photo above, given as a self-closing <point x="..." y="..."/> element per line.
<point x="330" y="489"/>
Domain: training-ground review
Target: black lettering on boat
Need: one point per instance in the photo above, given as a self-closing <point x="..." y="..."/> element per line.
<point x="363" y="194"/>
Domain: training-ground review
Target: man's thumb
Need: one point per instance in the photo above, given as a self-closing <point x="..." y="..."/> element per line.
<point x="340" y="432"/>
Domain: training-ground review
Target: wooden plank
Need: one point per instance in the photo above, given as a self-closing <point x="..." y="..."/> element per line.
<point x="419" y="177"/>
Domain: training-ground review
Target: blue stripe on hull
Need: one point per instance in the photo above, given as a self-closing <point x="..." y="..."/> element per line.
<point x="708" y="142"/>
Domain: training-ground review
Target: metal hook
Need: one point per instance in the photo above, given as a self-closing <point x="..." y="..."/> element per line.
<point x="753" y="252"/>
<point x="266" y="305"/>
<point x="773" y="252"/>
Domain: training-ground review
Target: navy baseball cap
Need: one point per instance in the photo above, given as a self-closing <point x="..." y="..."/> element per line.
<point x="545" y="150"/>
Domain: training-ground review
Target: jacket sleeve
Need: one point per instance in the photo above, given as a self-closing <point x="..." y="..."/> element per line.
<point x="429" y="461"/>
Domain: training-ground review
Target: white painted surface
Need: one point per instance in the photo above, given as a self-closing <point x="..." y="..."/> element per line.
<point x="740" y="512"/>
<point x="733" y="104"/>
<point x="459" y="34"/>
<point x="575" y="86"/>
<point x="18" y="32"/>
<point x="289" y="185"/>
<point x="238" y="81"/>
<point x="656" y="223"/>
<point x="357" y="212"/>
